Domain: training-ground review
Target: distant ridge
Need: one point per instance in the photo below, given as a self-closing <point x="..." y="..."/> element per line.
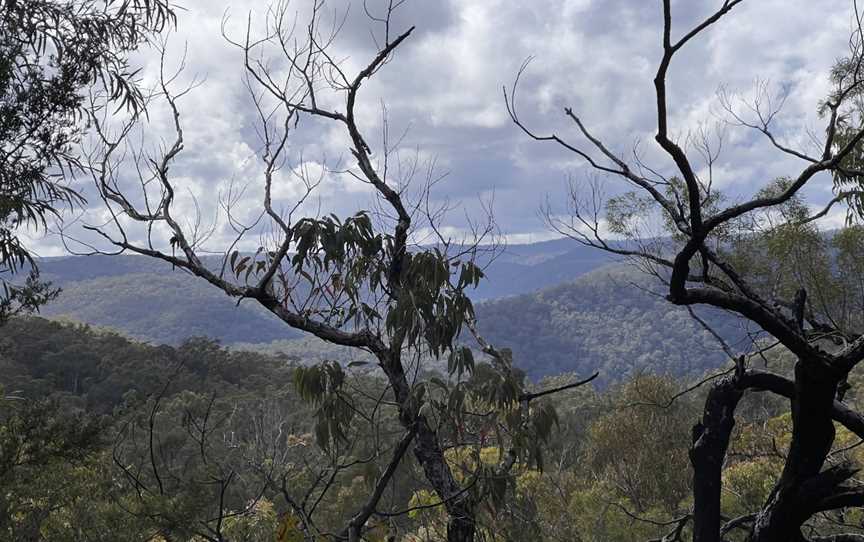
<point x="558" y="305"/>
<point x="146" y="299"/>
<point x="607" y="321"/>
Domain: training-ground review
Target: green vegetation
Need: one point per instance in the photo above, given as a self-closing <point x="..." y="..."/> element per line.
<point x="53" y="55"/>
<point x="609" y="321"/>
<point x="102" y="438"/>
<point x="602" y="320"/>
<point x="140" y="297"/>
<point x="229" y="428"/>
<point x="164" y="308"/>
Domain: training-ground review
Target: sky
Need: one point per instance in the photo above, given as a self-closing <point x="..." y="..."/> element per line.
<point x="443" y="92"/>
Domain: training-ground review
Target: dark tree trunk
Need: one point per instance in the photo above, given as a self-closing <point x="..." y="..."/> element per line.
<point x="459" y="503"/>
<point x="707" y="453"/>
<point x="792" y="500"/>
<point x="461" y="529"/>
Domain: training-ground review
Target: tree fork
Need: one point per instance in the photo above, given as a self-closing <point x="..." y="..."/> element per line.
<point x="791" y="502"/>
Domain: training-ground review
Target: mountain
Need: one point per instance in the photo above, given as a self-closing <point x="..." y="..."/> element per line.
<point x="520" y="269"/>
<point x="162" y="307"/>
<point x="146" y="299"/>
<point x="558" y="305"/>
<point x="607" y="320"/>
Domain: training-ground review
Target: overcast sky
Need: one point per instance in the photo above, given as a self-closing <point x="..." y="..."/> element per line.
<point x="444" y="87"/>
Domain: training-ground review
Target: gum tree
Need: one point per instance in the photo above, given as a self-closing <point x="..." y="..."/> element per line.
<point x="357" y="281"/>
<point x="51" y="54"/>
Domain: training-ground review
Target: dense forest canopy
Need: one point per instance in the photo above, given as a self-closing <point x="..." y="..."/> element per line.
<point x="77" y="401"/>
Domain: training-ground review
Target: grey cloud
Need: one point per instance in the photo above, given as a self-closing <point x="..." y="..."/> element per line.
<point x="444" y="85"/>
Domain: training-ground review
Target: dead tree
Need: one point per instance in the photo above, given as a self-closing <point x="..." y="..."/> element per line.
<point x="697" y="266"/>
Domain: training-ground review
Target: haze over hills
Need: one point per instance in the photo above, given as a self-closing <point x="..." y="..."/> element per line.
<point x="148" y="300"/>
<point x="526" y="268"/>
<point x="558" y="305"/>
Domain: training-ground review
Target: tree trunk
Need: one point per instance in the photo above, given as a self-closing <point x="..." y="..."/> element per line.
<point x="461" y="529"/>
<point x="707" y="453"/>
<point x="458" y="503"/>
<point x="791" y="502"/>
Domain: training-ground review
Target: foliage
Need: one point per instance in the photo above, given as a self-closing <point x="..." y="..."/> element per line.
<point x="616" y="462"/>
<point x="138" y="296"/>
<point x="643" y="411"/>
<point x="51" y="55"/>
<point x="38" y="442"/>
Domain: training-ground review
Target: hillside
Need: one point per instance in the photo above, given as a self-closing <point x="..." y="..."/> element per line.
<point x="97" y="370"/>
<point x="554" y="303"/>
<point x="146" y="299"/>
<point x="163" y="307"/>
<point x="90" y="407"/>
<point x="600" y="321"/>
<point x="521" y="269"/>
<point x="603" y="321"/>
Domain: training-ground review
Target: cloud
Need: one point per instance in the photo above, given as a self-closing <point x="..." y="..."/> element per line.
<point x="443" y="89"/>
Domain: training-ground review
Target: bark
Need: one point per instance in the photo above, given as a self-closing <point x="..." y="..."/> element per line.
<point x="707" y="454"/>
<point x="792" y="501"/>
<point x="458" y="502"/>
<point x="818" y="490"/>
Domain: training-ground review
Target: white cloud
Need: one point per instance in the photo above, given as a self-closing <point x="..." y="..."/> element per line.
<point x="445" y="85"/>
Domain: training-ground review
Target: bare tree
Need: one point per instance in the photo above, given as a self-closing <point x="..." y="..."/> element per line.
<point x="700" y="265"/>
<point x="362" y="282"/>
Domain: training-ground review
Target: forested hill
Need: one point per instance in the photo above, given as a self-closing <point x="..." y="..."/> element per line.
<point x="608" y="321"/>
<point x="604" y="321"/>
<point x="554" y="306"/>
<point x="97" y="370"/>
<point x="146" y="299"/>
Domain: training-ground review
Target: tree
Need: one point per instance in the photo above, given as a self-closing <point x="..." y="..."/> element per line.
<point x="357" y="281"/>
<point x="651" y="476"/>
<point x="700" y="265"/>
<point x="39" y="444"/>
<point x="52" y="53"/>
<point x="174" y="448"/>
<point x="183" y="464"/>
